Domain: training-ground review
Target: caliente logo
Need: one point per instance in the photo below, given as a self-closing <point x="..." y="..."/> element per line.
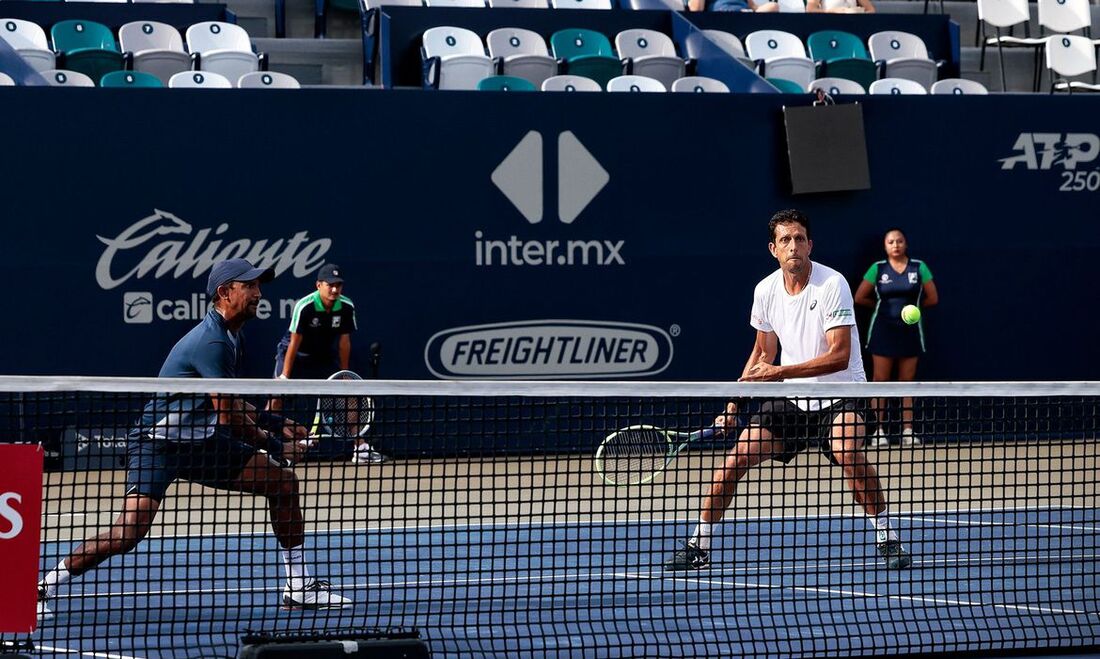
<point x="163" y="245"/>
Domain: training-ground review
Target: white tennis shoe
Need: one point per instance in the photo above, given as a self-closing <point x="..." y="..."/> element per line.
<point x="315" y="596"/>
<point x="908" y="438"/>
<point x="879" y="438"/>
<point x="365" y="454"/>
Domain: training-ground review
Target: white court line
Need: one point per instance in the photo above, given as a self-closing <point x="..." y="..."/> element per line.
<point x="964" y="522"/>
<point x="939" y="601"/>
<point x="565" y="576"/>
<point x="98" y="655"/>
<point x="576" y="522"/>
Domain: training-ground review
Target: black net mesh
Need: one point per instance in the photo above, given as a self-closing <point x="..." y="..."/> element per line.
<point x="480" y="521"/>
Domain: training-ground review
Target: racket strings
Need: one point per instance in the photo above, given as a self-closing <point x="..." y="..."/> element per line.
<point x="634" y="455"/>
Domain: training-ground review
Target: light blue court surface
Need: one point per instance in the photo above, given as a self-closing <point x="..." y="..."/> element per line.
<point x="787" y="586"/>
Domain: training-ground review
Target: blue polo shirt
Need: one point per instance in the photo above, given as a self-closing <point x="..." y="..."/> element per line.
<point x="209" y="350"/>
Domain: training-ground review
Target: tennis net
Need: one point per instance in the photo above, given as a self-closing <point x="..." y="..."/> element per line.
<point x="490" y="530"/>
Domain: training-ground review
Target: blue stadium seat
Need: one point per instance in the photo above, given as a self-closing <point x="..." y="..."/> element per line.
<point x="87" y="47"/>
<point x="505" y="84"/>
<point x="129" y="79"/>
<point x="586" y="53"/>
<point x="842" y="55"/>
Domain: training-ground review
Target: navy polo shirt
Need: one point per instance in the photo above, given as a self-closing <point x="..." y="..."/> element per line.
<point x="209" y="350"/>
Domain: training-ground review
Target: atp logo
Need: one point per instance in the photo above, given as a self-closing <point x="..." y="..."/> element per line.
<point x="137" y="307"/>
<point x="520" y="177"/>
<point x="1043" y="151"/>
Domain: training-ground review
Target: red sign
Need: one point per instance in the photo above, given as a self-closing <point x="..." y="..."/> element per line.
<point x="20" y="525"/>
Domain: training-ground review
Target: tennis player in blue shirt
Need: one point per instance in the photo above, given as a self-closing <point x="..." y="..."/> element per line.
<point x="217" y="440"/>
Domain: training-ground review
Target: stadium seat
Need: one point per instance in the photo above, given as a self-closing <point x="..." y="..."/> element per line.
<point x="1065" y="16"/>
<point x="727" y="42"/>
<point x="651" y="54"/>
<point x="29" y="40"/>
<point x="896" y="86"/>
<point x="1067" y="56"/>
<point x="842" y="55"/>
<point x="6" y="80"/>
<point x="522" y="53"/>
<point x="505" y="84"/>
<point x="87" y="47"/>
<point x="454" y="58"/>
<point x="129" y="79"/>
<point x="586" y="53"/>
<point x="580" y="4"/>
<point x="786" y="86"/>
<point x="155" y="48"/>
<point x="1002" y="14"/>
<point x="834" y="86"/>
<point x="455" y="3"/>
<point x="570" y="84"/>
<point x="63" y="78"/>
<point x="632" y="83"/>
<point x="223" y="48"/>
<point x="782" y="55"/>
<point x="518" y="4"/>
<point x="699" y="84"/>
<point x="267" y="80"/>
<point x="958" y="86"/>
<point x="903" y="55"/>
<point x="199" y="80"/>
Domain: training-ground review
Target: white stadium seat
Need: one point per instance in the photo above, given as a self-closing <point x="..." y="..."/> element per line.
<point x="63" y="78"/>
<point x="29" y="40"/>
<point x="267" y="80"/>
<point x="523" y="54"/>
<point x="651" y="54"/>
<point x="461" y="59"/>
<point x="905" y="56"/>
<point x="699" y="84"/>
<point x="570" y="84"/>
<point x="634" y="83"/>
<point x="199" y="80"/>
<point x="958" y="86"/>
<point x="224" y="48"/>
<point x="157" y="48"/>
<point x="896" y="86"/>
<point x="783" y="54"/>
<point x="834" y="86"/>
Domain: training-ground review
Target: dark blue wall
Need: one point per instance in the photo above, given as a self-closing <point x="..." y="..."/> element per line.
<point x="395" y="185"/>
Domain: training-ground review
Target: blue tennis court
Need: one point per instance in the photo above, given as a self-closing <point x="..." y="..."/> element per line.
<point x="1012" y="578"/>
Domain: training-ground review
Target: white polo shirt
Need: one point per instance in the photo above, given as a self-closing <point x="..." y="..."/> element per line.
<point x="800" y="321"/>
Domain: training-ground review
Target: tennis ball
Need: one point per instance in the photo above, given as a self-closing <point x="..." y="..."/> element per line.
<point x="910" y="314"/>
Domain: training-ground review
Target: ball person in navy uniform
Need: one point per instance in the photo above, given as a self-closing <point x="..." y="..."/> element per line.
<point x="318" y="341"/>
<point x="895" y="282"/>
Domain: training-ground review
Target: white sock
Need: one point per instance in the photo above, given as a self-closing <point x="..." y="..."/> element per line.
<point x="701" y="537"/>
<point x="881" y="524"/>
<point x="55" y="578"/>
<point x="297" y="573"/>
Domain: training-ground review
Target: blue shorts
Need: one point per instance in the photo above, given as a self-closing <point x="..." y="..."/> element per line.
<point x="155" y="463"/>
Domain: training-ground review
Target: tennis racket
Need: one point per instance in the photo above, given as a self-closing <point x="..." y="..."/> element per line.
<point x="636" y="454"/>
<point x="342" y="417"/>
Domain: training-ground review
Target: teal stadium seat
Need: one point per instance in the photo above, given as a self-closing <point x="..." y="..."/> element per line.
<point x="86" y="47"/>
<point x="786" y="86"/>
<point x="505" y="84"/>
<point x="586" y="53"/>
<point x="129" y="79"/>
<point x="842" y="55"/>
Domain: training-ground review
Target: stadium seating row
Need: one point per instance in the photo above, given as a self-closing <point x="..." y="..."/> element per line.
<point x="1056" y="16"/>
<point x="182" y="80"/>
<point x="701" y="84"/>
<point x="90" y="48"/>
<point x="455" y="58"/>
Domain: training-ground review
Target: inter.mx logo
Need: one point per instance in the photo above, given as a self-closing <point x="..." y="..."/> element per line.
<point x="1042" y="151"/>
<point x="520" y="176"/>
